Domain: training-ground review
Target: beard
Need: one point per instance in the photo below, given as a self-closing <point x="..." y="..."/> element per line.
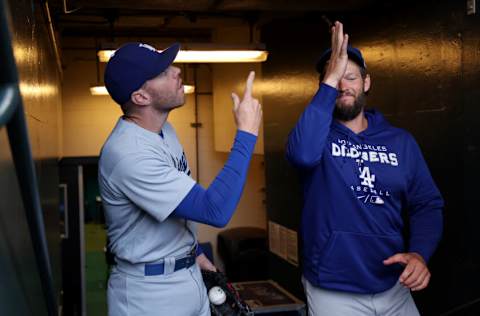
<point x="166" y="101"/>
<point x="345" y="113"/>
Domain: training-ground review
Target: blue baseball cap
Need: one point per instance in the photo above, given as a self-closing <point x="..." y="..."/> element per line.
<point x="132" y="65"/>
<point x="354" y="54"/>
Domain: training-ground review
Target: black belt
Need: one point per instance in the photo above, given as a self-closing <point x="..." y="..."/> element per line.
<point x="159" y="268"/>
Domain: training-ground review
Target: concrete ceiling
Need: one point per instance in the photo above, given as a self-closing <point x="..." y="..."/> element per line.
<point x="221" y="5"/>
<point x="188" y="19"/>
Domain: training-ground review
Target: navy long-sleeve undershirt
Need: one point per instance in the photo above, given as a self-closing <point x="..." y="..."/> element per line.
<point x="215" y="205"/>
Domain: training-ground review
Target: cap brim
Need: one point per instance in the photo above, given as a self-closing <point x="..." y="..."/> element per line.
<point x="167" y="56"/>
<point x="326" y="57"/>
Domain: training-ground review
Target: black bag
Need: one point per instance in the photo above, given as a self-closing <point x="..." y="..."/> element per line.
<point x="233" y="306"/>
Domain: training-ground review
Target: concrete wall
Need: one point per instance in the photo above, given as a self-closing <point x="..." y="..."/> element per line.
<point x="20" y="291"/>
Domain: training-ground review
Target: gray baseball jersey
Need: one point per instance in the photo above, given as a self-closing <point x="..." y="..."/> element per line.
<point x="143" y="176"/>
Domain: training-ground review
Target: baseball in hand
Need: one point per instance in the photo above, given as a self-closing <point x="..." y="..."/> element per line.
<point x="216" y="295"/>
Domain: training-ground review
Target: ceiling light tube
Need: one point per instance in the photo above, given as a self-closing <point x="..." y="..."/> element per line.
<point x="98" y="90"/>
<point x="221" y="56"/>
<point x="188" y="89"/>
<point x="101" y="90"/>
<point x="208" y="56"/>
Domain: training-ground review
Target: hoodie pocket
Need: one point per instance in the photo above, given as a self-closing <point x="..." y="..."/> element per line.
<point x="355" y="261"/>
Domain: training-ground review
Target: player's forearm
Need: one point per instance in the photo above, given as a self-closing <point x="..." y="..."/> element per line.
<point x="216" y="205"/>
<point x="307" y="140"/>
<point x="426" y="229"/>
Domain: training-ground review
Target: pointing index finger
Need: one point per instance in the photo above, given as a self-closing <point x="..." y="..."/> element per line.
<point x="249" y="86"/>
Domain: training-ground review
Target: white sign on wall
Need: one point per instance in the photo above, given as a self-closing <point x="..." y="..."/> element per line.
<point x="283" y="242"/>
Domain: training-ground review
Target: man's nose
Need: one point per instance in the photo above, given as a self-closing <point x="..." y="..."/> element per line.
<point x="342" y="85"/>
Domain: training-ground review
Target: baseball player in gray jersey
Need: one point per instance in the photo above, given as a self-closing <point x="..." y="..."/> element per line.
<point x="151" y="202"/>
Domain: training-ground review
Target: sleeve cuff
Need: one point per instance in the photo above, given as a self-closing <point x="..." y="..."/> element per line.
<point x="325" y="98"/>
<point x="198" y="250"/>
<point x="424" y="251"/>
<point x="247" y="139"/>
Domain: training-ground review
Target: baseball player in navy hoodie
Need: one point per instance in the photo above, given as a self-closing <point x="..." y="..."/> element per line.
<point x="359" y="173"/>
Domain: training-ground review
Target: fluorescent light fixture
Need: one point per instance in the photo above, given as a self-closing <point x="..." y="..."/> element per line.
<point x="208" y="56"/>
<point x="188" y="89"/>
<point x="105" y="54"/>
<point x="101" y="90"/>
<point x="98" y="90"/>
<point x="221" y="56"/>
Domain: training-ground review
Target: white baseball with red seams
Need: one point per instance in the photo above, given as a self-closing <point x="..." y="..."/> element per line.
<point x="217" y="296"/>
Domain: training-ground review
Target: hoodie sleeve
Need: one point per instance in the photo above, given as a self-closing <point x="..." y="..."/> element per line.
<point x="307" y="139"/>
<point x="425" y="206"/>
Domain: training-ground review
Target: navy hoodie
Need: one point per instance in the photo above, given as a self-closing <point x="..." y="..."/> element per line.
<point x="355" y="188"/>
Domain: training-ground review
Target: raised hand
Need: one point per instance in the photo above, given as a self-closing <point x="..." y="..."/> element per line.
<point x="337" y="65"/>
<point x="248" y="111"/>
<point x="416" y="275"/>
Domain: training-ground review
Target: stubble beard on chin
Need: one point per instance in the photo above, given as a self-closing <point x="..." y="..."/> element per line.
<point x="347" y="113"/>
<point x="178" y="102"/>
<point x="168" y="103"/>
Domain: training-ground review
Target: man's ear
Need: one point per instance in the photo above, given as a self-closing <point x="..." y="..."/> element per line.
<point x="141" y="97"/>
<point x="366" y="83"/>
